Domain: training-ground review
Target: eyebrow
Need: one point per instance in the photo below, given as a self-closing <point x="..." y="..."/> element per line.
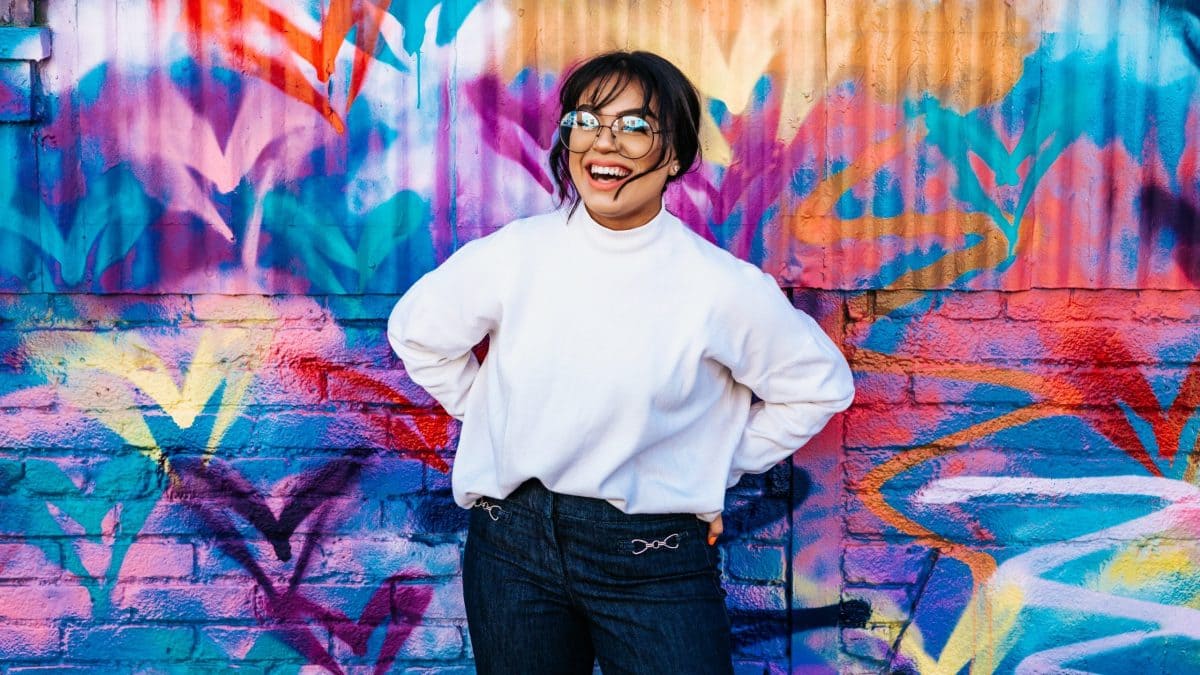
<point x="637" y="111"/>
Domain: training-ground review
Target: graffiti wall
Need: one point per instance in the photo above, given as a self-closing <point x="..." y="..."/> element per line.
<point x="210" y="460"/>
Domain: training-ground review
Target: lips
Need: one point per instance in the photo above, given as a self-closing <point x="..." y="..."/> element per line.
<point x="606" y="176"/>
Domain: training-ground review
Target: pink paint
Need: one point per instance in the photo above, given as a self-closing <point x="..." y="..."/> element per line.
<point x="29" y="641"/>
<point x="227" y="141"/>
<point x="25" y="561"/>
<point x="96" y="557"/>
<point x="34" y="602"/>
<point x="156" y="559"/>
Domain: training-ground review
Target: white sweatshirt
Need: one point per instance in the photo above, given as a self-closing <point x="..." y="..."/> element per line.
<point x="620" y="363"/>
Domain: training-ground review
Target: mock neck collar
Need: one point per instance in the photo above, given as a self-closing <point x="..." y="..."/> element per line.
<point x="618" y="240"/>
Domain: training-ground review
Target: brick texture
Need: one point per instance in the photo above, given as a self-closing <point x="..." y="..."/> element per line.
<point x="323" y="519"/>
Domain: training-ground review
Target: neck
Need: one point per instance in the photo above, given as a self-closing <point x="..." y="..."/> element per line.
<point x="625" y="240"/>
<point x="626" y="222"/>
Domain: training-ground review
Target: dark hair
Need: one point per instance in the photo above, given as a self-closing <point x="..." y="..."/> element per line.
<point x="667" y="94"/>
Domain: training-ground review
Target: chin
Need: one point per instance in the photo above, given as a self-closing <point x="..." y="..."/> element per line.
<point x="602" y="205"/>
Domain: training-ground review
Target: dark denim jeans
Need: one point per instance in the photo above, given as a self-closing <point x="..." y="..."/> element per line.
<point x="554" y="582"/>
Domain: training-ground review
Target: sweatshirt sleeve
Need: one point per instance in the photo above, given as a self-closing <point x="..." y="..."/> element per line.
<point x="441" y="317"/>
<point x="784" y="357"/>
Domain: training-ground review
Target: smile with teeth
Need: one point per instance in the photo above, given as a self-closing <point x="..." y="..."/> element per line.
<point x="608" y="172"/>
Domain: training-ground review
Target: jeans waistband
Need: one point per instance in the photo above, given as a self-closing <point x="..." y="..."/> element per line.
<point x="533" y="495"/>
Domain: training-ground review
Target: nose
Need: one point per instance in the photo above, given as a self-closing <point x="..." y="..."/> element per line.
<point x="605" y="142"/>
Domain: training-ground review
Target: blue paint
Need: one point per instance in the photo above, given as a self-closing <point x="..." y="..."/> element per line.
<point x="384" y="54"/>
<point x="385" y="250"/>
<point x="22" y="43"/>
<point x="101" y="229"/>
<point x="888" y="201"/>
<point x="1083" y="628"/>
<point x="412" y="15"/>
<point x="726" y="229"/>
<point x="16" y="91"/>
<point x="849" y="206"/>
<point x="803" y="181"/>
<point x="887" y="334"/>
<point x="1188" y="437"/>
<point x="718" y="110"/>
<point x="1159" y="654"/>
<point x="1060" y="120"/>
<point x="90" y="86"/>
<point x="21" y="213"/>
<point x="902" y="264"/>
<point x="762" y="91"/>
<point x="757" y="240"/>
<point x="127" y="478"/>
<point x="945" y="586"/>
<point x="452" y="17"/>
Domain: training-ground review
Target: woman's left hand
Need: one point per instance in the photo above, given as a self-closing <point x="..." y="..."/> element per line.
<point x="715" y="528"/>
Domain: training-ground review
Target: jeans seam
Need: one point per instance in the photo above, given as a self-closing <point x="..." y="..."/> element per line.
<point x="618" y="520"/>
<point x="549" y="520"/>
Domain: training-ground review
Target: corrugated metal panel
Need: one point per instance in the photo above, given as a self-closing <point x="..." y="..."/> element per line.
<point x="344" y="147"/>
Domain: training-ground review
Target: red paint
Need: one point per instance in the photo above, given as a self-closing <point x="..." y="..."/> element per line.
<point x="227" y="23"/>
<point x="430" y="433"/>
<point x="1115" y="378"/>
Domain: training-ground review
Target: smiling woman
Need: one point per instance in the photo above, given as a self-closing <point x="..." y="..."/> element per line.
<point x="613" y="408"/>
<point x="653" y="114"/>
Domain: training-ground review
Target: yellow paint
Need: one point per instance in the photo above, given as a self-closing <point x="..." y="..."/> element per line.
<point x="983" y="636"/>
<point x="725" y="47"/>
<point x="1133" y="566"/>
<point x="1156" y="571"/>
<point x="966" y="53"/>
<point x="105" y="372"/>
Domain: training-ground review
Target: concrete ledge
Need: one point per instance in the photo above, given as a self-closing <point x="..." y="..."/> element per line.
<point x="20" y="48"/>
<point x="19" y="43"/>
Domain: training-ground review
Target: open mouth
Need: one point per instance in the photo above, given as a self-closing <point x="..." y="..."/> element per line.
<point x="608" y="174"/>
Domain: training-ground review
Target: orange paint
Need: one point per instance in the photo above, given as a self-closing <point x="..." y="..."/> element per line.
<point x="227" y="22"/>
<point x="814" y="223"/>
<point x="981" y="564"/>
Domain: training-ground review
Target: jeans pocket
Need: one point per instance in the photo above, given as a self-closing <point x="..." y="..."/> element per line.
<point x="497" y="530"/>
<point x="653" y="550"/>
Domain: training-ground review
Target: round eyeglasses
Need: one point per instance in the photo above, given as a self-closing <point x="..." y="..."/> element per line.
<point x="633" y="136"/>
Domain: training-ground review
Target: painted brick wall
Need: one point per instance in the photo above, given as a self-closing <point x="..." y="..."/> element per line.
<point x="1021" y="455"/>
<point x="211" y="461"/>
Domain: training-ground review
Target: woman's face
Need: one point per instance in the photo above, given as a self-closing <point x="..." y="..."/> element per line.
<point x="601" y="170"/>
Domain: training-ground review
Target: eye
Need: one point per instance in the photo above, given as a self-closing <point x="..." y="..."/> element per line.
<point x="635" y="126"/>
<point x="580" y="119"/>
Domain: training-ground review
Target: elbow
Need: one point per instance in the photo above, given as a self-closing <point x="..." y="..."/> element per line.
<point x="845" y="401"/>
<point x="840" y="384"/>
<point x="847" y="381"/>
<point x="395" y="328"/>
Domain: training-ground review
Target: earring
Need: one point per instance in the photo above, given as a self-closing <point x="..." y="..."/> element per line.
<point x="674" y="169"/>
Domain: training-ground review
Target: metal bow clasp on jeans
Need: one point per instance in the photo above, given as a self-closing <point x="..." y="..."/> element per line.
<point x="671" y="541"/>
<point x="492" y="509"/>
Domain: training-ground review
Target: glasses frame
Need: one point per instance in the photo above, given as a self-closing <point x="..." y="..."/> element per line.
<point x="612" y="129"/>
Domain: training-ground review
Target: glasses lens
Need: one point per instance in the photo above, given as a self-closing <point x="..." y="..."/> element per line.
<point x="635" y="136"/>
<point x="578" y="130"/>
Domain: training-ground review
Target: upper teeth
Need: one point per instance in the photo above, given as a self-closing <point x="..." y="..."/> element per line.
<point x="610" y="170"/>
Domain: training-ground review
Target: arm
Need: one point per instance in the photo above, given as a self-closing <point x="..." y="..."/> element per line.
<point x="784" y="357"/>
<point x="437" y="322"/>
